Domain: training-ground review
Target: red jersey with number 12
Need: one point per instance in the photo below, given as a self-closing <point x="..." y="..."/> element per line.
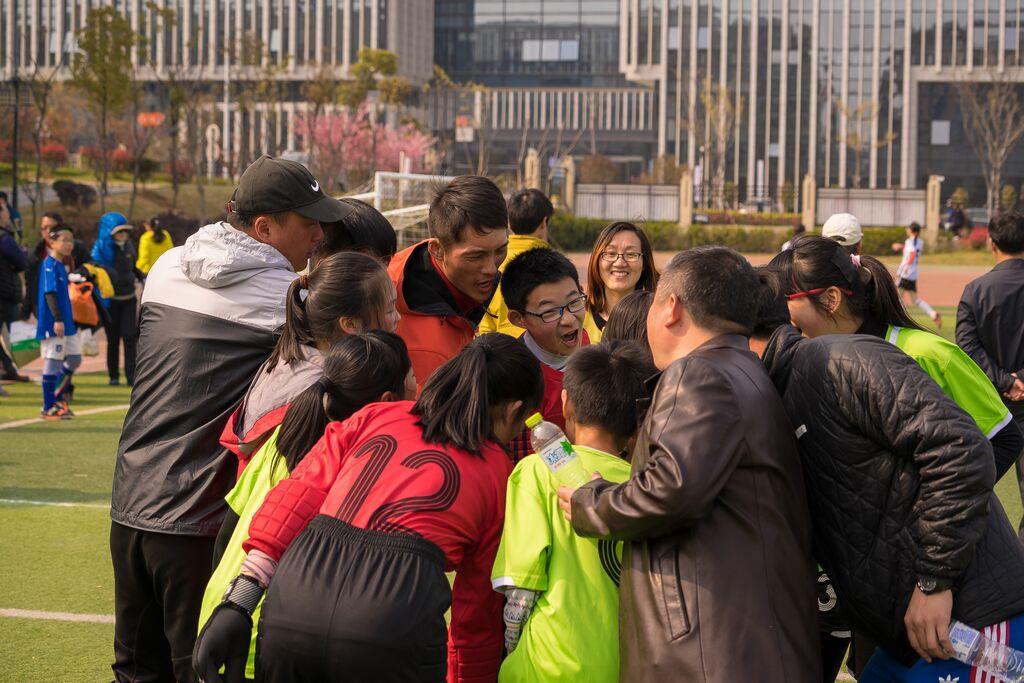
<point x="375" y="471"/>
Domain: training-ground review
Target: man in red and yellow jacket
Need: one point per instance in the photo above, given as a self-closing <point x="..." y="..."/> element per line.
<point x="445" y="282"/>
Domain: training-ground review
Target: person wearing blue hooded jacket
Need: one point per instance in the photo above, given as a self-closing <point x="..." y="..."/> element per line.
<point x="114" y="251"/>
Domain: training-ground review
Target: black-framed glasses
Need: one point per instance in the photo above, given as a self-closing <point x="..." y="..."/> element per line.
<point x="628" y="257"/>
<point x="554" y="314"/>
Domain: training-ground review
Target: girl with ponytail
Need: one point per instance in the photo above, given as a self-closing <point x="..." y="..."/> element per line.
<point x="831" y="292"/>
<point x="359" y="537"/>
<point x="345" y="293"/>
<point x="359" y="369"/>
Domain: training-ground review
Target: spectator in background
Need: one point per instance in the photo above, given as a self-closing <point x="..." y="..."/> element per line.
<point x="115" y="252"/>
<point x="990" y="319"/>
<point x="528" y="214"/>
<point x="14" y="216"/>
<point x="445" y="281"/>
<point x="13" y="261"/>
<point x="908" y="271"/>
<point x="798" y="230"/>
<point x="845" y="229"/>
<point x="628" y="322"/>
<point x="152" y="244"/>
<point x="364" y="229"/>
<point x="210" y="312"/>
<point x="621" y="262"/>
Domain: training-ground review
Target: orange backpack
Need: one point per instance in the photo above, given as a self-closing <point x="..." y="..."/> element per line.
<point x="83" y="306"/>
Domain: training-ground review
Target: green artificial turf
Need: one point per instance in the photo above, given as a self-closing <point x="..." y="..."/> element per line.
<point x="63" y="652"/>
<point x="91" y="391"/>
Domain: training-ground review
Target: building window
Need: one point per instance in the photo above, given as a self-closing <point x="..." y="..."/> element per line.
<point x="702" y="38"/>
<point x="940" y="133"/>
<point x="531" y="50"/>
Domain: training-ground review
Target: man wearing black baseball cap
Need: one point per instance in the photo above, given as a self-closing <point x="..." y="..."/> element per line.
<point x="210" y="314"/>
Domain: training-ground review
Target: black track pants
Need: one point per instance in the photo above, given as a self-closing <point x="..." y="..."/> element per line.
<point x="352" y="605"/>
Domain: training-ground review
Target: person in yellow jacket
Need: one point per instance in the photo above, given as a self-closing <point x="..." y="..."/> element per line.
<point x="528" y="214"/>
<point x="153" y="243"/>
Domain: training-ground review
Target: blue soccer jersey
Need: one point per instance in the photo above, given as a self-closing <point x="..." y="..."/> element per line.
<point x="53" y="278"/>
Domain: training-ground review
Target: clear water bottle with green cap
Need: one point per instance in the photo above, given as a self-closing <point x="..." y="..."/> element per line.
<point x="550" y="443"/>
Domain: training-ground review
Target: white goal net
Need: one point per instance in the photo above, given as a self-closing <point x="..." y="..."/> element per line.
<point x="404" y="199"/>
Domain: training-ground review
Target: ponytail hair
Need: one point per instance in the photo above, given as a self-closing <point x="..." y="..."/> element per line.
<point x="347" y="284"/>
<point x="456" y="405"/>
<point x="358" y="369"/>
<point x="818" y="263"/>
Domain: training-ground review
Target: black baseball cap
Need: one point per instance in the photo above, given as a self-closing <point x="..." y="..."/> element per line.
<point x="272" y="185"/>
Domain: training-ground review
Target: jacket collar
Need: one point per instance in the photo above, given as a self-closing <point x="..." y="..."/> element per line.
<point x="733" y="341"/>
<point x="1010" y="264"/>
<point x="520" y="243"/>
<point x="780" y="354"/>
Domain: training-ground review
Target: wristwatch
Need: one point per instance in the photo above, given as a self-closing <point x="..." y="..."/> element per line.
<point x="929" y="585"/>
<point x="244" y="591"/>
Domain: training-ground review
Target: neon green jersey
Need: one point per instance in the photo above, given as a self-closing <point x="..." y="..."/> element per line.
<point x="959" y="377"/>
<point x="264" y="471"/>
<point x="573" y="632"/>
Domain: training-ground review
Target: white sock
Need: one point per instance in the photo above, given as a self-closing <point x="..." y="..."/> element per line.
<point x="925" y="308"/>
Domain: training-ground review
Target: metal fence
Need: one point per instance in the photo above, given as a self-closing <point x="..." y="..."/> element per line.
<point x="873" y="207"/>
<point x="627" y="202"/>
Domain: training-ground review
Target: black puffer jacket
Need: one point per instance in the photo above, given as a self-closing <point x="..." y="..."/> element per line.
<point x="899" y="482"/>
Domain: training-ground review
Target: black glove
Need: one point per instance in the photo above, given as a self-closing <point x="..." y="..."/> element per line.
<point x="224" y="641"/>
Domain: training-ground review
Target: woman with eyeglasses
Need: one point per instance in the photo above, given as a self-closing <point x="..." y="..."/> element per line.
<point x="621" y="263"/>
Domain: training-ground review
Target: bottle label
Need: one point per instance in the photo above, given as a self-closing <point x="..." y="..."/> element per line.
<point x="965" y="641"/>
<point x="557" y="454"/>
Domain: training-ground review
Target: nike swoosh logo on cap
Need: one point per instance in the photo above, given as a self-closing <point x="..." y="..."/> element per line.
<point x="315" y="186"/>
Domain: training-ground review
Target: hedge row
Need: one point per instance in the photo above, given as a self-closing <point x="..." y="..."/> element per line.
<point x="572" y="233"/>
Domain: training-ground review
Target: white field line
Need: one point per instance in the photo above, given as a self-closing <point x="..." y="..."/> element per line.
<point x="57" y="616"/>
<point x="52" y="503"/>
<point x="90" y="411"/>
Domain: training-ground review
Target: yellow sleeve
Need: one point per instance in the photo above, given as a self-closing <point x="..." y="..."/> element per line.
<point x="145" y="260"/>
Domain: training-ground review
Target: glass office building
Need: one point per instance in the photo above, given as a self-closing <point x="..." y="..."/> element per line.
<point x="553" y="75"/>
<point x="849" y="91"/>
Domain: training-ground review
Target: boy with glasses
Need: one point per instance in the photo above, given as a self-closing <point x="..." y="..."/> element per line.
<point x="543" y="294"/>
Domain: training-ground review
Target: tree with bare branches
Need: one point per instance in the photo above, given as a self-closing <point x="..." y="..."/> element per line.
<point x="40" y="81"/>
<point x="714" y="129"/>
<point x="993" y="121"/>
<point x="857" y="118"/>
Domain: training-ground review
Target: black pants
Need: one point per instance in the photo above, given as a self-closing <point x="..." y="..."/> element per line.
<point x="8" y="314"/>
<point x="122" y="329"/>
<point x="833" y="652"/>
<point x="352" y="605"/>
<point x="1018" y="416"/>
<point x="159" y="580"/>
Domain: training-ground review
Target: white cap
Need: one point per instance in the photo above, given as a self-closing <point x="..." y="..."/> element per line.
<point x="843" y="228"/>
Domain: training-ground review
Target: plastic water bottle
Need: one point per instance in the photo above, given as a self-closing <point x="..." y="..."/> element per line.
<point x="550" y="443"/>
<point x="988" y="655"/>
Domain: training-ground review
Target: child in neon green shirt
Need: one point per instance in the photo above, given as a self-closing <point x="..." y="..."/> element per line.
<point x="360" y="368"/>
<point x="562" y="597"/>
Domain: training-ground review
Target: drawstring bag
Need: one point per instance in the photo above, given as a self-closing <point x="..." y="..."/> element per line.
<point x="83" y="308"/>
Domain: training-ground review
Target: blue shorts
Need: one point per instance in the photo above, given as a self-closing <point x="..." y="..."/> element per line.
<point x="883" y="668"/>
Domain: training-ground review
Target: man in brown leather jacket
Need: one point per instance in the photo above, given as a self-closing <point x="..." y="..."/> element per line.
<point x="717" y="581"/>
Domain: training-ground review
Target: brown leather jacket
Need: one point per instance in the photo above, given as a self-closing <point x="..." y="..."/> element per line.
<point x="717" y="580"/>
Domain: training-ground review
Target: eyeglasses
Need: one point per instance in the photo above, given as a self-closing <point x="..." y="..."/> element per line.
<point x="554" y="314"/>
<point x="815" y="292"/>
<point x="628" y="257"/>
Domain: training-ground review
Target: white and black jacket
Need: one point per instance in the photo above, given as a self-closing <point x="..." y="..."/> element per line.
<point x="211" y="311"/>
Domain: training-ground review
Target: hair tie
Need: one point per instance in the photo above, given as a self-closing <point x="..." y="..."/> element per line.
<point x="488" y="349"/>
<point x="304" y="281"/>
<point x="855" y="258"/>
<point x="326" y="385"/>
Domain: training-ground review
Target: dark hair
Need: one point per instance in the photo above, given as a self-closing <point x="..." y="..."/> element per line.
<point x="53" y="215"/>
<point x="3" y="195"/>
<point x="365" y="230"/>
<point x="468" y="201"/>
<point x="772" y="310"/>
<point x="818" y="262"/>
<point x="531" y="269"/>
<point x="455" y="405"/>
<point x="358" y="369"/>
<point x="716" y="285"/>
<point x="245" y="221"/>
<point x="799" y="229"/>
<point x="595" y="285"/>
<point x="628" y="322"/>
<point x="915" y="228"/>
<point x="348" y="284"/>
<point x="156" y="227"/>
<point x="605" y="381"/>
<point x="1007" y="232"/>
<point x="527" y="209"/>
<point x="60" y="227"/>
